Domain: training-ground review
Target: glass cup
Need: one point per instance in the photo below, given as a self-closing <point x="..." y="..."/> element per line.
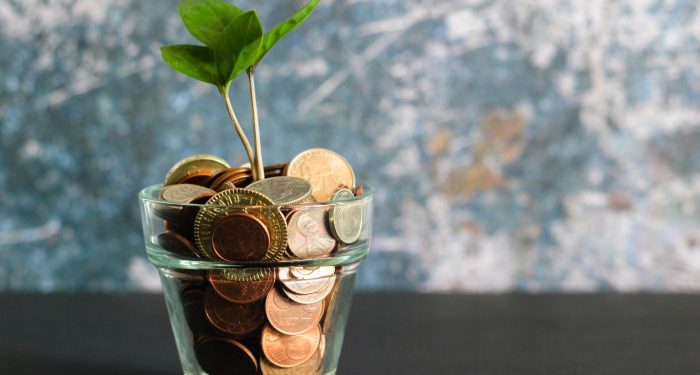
<point x="284" y="314"/>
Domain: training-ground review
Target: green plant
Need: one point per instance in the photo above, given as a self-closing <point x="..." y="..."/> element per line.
<point x="234" y="43"/>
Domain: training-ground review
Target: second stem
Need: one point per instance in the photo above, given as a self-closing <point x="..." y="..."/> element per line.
<point x="256" y="126"/>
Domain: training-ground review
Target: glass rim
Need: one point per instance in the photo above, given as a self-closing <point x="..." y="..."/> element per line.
<point x="150" y="194"/>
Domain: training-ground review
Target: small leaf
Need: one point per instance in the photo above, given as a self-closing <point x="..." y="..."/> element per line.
<point x="278" y="32"/>
<point x="238" y="46"/>
<point x="197" y="62"/>
<point x="206" y="19"/>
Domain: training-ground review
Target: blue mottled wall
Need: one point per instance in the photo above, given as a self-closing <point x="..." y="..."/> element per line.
<point x="532" y="145"/>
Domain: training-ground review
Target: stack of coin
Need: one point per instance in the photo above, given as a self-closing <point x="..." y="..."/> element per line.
<point x="262" y="320"/>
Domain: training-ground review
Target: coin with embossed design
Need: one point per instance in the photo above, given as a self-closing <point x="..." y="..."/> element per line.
<point x="314" y="297"/>
<point x="241" y="201"/>
<point x="310" y="367"/>
<point x="345" y="218"/>
<point x="239" y="291"/>
<point x="310" y="283"/>
<point x="185" y="193"/>
<point x="289" y="351"/>
<point x="308" y="237"/>
<point x="196" y="168"/>
<point x="240" y="237"/>
<point x="324" y="169"/>
<point x="289" y="317"/>
<point x="239" y="320"/>
<point x="283" y="189"/>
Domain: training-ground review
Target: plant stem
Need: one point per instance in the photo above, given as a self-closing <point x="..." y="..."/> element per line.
<point x="256" y="125"/>
<point x="239" y="130"/>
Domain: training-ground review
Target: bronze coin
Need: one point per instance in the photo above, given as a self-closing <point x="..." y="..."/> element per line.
<point x="226" y="284"/>
<point x="310" y="367"/>
<point x="229" y="175"/>
<point x="220" y="356"/>
<point x="289" y="317"/>
<point x="177" y="243"/>
<point x="192" y="299"/>
<point x="239" y="320"/>
<point x="358" y="190"/>
<point x="289" y="351"/>
<point x="240" y="237"/>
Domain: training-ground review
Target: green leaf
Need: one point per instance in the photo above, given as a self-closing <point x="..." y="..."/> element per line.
<point x="206" y="19"/>
<point x="278" y="32"/>
<point x="238" y="46"/>
<point x="197" y="62"/>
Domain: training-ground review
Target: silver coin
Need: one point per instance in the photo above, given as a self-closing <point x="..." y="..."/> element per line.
<point x="312" y="283"/>
<point x="345" y="218"/>
<point x="283" y="189"/>
<point x="306" y="299"/>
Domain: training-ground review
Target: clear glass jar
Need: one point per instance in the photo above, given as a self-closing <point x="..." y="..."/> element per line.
<point x="282" y="316"/>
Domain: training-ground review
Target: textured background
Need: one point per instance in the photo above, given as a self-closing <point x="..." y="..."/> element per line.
<point x="529" y="145"/>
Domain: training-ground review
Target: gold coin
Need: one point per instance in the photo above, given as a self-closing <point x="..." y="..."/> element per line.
<point x="241" y="201"/>
<point x="345" y="218"/>
<point x="195" y="166"/>
<point x="289" y="351"/>
<point x="324" y="169"/>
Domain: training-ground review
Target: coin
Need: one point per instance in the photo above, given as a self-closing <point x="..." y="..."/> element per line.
<point x="289" y="317"/>
<point x="310" y="283"/>
<point x="313" y="297"/>
<point x="236" y="319"/>
<point x="192" y="298"/>
<point x="324" y="169"/>
<point x="345" y="218"/>
<point x="199" y="167"/>
<point x="241" y="291"/>
<point x="240" y="237"/>
<point x="358" y="190"/>
<point x="310" y="367"/>
<point x="175" y="242"/>
<point x="289" y="351"/>
<point x="185" y="193"/>
<point x="283" y="189"/>
<point x="308" y="237"/>
<point x="237" y="201"/>
<point x="223" y="356"/>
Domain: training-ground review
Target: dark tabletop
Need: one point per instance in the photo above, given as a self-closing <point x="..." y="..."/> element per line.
<point x="387" y="334"/>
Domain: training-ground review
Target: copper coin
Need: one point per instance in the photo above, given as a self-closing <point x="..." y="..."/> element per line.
<point x="236" y="201"/>
<point x="289" y="317"/>
<point x="236" y="319"/>
<point x="195" y="167"/>
<point x="239" y="291"/>
<point x="220" y="356"/>
<point x="324" y="169"/>
<point x="192" y="299"/>
<point x="175" y="242"/>
<point x="358" y="190"/>
<point x="240" y="237"/>
<point x="310" y="283"/>
<point x="315" y="297"/>
<point x="289" y="351"/>
<point x="308" y="237"/>
<point x="310" y="367"/>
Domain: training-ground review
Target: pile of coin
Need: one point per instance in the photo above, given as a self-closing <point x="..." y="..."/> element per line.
<point x="261" y="320"/>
